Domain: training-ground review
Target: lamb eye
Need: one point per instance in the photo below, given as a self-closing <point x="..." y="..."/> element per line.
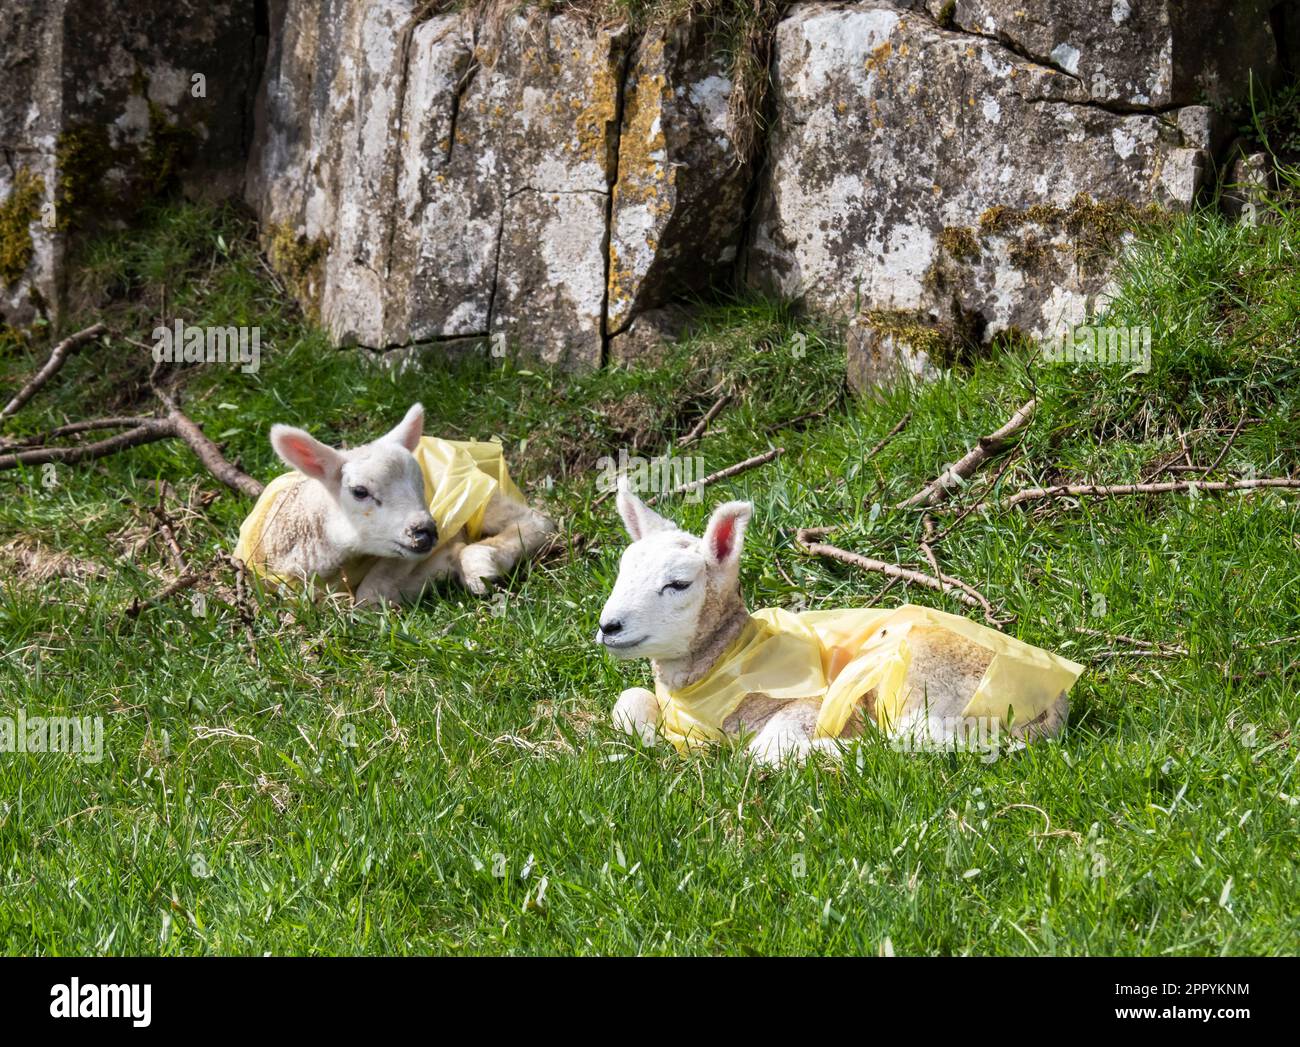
<point x="676" y="587"/>
<point x="360" y="493"/>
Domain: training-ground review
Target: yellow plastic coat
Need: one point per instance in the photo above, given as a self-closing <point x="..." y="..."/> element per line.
<point x="460" y="477"/>
<point x="838" y="656"/>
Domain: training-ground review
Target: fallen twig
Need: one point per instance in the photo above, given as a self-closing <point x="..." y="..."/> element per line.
<point x="209" y="453"/>
<point x="143" y="430"/>
<point x="704" y="422"/>
<point x="937" y="490"/>
<point x="898" y="428"/>
<point x="51" y="367"/>
<point x="1232" y="438"/>
<point x="975" y="505"/>
<point x="241" y="606"/>
<point x="179" y="585"/>
<point x="1172" y="649"/>
<point x="150" y="430"/>
<point x="807" y="536"/>
<point x="722" y="474"/>
<point x="1113" y="490"/>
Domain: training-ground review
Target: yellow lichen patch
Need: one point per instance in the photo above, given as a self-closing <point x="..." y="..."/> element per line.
<point x="1094" y="227"/>
<point x="17" y="214"/>
<point x="876" y="60"/>
<point x="596" y="110"/>
<point x="644" y="176"/>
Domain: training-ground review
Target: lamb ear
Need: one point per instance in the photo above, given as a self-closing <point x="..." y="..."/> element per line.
<point x="305" y="453"/>
<point x="725" y="534"/>
<point x="639" y="519"/>
<point x="408" y="431"/>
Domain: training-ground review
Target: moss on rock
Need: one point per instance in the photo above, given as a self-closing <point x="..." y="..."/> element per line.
<point x="17" y="214"/>
<point x="300" y="261"/>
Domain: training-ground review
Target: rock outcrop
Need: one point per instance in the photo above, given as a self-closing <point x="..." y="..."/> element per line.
<point x="930" y="173"/>
<point x="536" y="182"/>
<point x="931" y="184"/>
<point x="102" y="105"/>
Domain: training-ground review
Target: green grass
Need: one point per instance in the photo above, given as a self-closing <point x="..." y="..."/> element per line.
<point x="483" y="761"/>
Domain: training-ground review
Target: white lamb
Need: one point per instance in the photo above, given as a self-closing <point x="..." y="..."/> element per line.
<point x="389" y="518"/>
<point x="799" y="683"/>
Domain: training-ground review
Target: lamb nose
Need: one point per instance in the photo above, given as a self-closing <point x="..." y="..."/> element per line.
<point x="611" y="628"/>
<point x="422" y="538"/>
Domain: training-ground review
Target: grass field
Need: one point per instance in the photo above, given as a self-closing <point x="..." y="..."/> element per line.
<point x="444" y="778"/>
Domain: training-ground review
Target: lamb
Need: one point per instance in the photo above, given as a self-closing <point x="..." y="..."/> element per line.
<point x="795" y="684"/>
<point x="389" y="518"/>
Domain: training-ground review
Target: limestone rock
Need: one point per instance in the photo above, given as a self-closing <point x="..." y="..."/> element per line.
<point x="679" y="198"/>
<point x="1135" y="53"/>
<point x="102" y="105"/>
<point x="937" y="175"/>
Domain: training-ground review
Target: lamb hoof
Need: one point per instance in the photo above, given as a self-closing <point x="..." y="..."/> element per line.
<point x="779" y="751"/>
<point x="478" y="568"/>
<point x="636" y="713"/>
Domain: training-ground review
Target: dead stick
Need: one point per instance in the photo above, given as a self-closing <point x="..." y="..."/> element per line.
<point x="723" y="474"/>
<point x="704" y="422"/>
<point x="169" y="536"/>
<point x="1112" y="490"/>
<point x="210" y="455"/>
<point x="74" y="429"/>
<point x="185" y="581"/>
<point x="974" y="505"/>
<point x="902" y="424"/>
<point x="1121" y="638"/>
<point x="926" y="545"/>
<point x="146" y="430"/>
<point x="937" y="490"/>
<point x="153" y="430"/>
<point x="1228" y="445"/>
<point x="57" y="359"/>
<point x="807" y="534"/>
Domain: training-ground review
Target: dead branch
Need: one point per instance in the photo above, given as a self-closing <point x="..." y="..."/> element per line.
<point x="185" y="581"/>
<point x="150" y="430"/>
<point x="208" y="453"/>
<point x="143" y="430"/>
<point x="1133" y="641"/>
<point x="241" y="605"/>
<point x="168" y="532"/>
<point x="1115" y="490"/>
<point x="704" y="423"/>
<point x="937" y="490"/>
<point x="902" y="424"/>
<point x="807" y="536"/>
<point x="1232" y="438"/>
<point x="1002" y="471"/>
<point x="723" y="474"/>
<point x="74" y="429"/>
<point x="51" y="367"/>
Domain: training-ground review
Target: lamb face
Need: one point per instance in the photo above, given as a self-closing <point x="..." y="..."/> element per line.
<point x="655" y="607"/>
<point x="381" y="497"/>
<point x="671" y="585"/>
<point x="376" y="490"/>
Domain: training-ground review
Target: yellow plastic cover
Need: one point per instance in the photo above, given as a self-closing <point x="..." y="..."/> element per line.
<point x="841" y="655"/>
<point x="460" y="477"/>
